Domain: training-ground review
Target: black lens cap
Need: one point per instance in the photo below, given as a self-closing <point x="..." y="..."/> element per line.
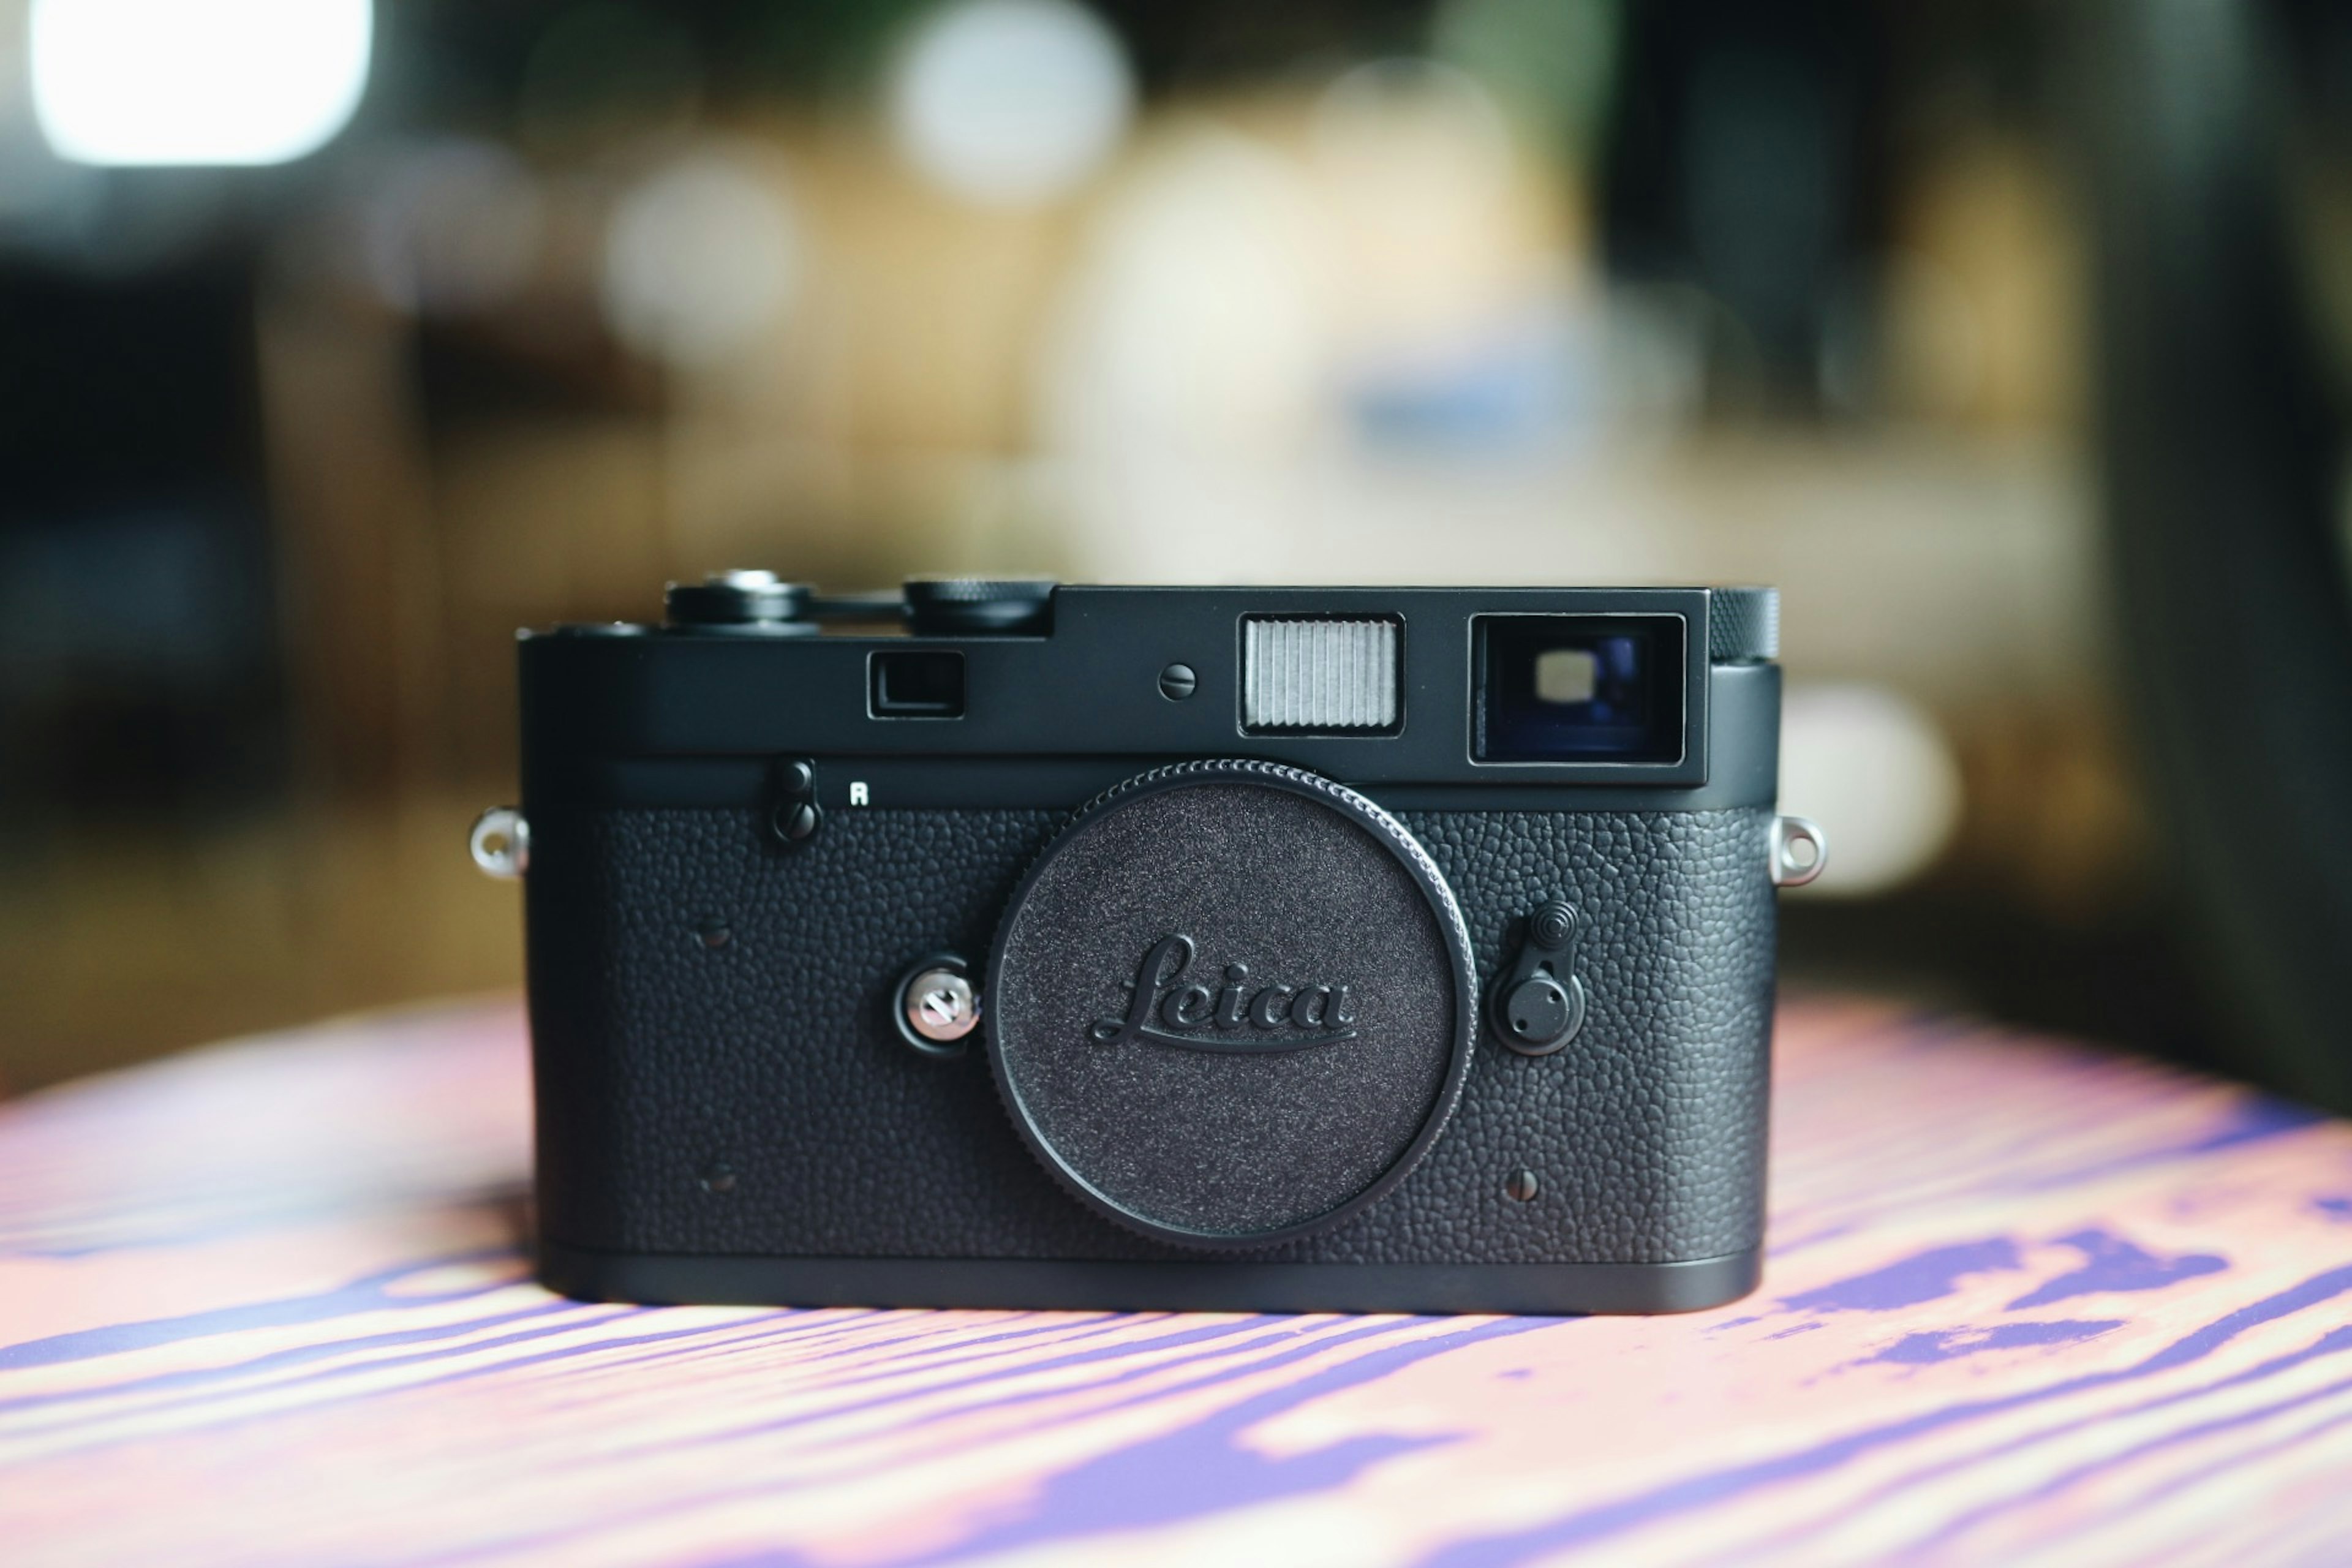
<point x="1230" y="1005"/>
<point x="979" y="606"/>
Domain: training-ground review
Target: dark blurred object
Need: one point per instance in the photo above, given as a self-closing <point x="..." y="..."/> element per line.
<point x="2221" y="456"/>
<point x="1740" y="165"/>
<point x="138" y="653"/>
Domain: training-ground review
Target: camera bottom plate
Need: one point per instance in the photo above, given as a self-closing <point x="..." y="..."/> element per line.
<point x="1532" y="1288"/>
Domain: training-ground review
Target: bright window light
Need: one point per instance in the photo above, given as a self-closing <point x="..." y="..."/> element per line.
<point x="196" y="81"/>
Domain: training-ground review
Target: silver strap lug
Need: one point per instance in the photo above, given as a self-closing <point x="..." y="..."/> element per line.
<point x="501" y="843"/>
<point x="1800" y="850"/>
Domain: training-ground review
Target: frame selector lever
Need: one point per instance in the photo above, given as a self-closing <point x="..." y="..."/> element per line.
<point x="1538" y="1003"/>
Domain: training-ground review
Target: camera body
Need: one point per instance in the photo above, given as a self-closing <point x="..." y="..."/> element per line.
<point x="1001" y="944"/>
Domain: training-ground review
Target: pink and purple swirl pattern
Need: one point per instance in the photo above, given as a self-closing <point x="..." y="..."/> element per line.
<point x="2027" y="1303"/>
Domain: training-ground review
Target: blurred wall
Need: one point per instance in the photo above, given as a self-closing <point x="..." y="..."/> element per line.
<point x="584" y="296"/>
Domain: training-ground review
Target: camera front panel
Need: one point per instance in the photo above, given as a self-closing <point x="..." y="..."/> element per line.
<point x="718" y="1072"/>
<point x="751" y="871"/>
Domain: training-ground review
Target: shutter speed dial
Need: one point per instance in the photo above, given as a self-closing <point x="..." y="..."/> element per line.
<point x="979" y="606"/>
<point x="763" y="604"/>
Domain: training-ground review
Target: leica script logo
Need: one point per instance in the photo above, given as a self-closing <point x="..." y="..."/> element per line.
<point x="1235" y="1018"/>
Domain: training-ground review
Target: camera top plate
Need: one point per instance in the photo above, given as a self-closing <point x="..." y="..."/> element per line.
<point x="1230" y="1005"/>
<point x="1378" y="687"/>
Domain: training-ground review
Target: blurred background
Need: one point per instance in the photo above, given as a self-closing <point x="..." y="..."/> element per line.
<point x="338" y="339"/>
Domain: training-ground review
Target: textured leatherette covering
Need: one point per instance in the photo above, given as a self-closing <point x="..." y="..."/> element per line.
<point x="717" y="1075"/>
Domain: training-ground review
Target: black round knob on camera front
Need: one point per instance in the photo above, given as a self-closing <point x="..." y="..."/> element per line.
<point x="758" y="602"/>
<point x="1230" y="1005"/>
<point x="978" y="607"/>
<point x="1539" y="1012"/>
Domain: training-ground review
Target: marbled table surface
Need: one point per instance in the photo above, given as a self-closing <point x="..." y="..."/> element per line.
<point x="2027" y="1301"/>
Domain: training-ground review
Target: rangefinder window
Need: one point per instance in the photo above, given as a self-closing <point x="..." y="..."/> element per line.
<point x="926" y="683"/>
<point x="1578" y="688"/>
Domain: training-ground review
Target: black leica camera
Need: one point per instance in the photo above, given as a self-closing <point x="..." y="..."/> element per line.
<point x="1007" y="944"/>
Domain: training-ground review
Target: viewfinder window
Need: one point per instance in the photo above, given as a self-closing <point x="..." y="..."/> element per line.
<point x="925" y="683"/>
<point x="1578" y="688"/>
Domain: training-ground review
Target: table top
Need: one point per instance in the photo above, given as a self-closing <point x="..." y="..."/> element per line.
<point x="2026" y="1301"/>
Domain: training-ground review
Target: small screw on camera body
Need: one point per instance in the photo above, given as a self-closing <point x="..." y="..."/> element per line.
<point x="796" y="816"/>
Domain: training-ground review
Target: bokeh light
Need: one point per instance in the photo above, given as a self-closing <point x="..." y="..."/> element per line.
<point x="700" y="257"/>
<point x="1010" y="102"/>
<point x="449" y="226"/>
<point x="1417" y="164"/>
<point x="1872" y="767"/>
<point x="196" y="81"/>
<point x="1198" y="322"/>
